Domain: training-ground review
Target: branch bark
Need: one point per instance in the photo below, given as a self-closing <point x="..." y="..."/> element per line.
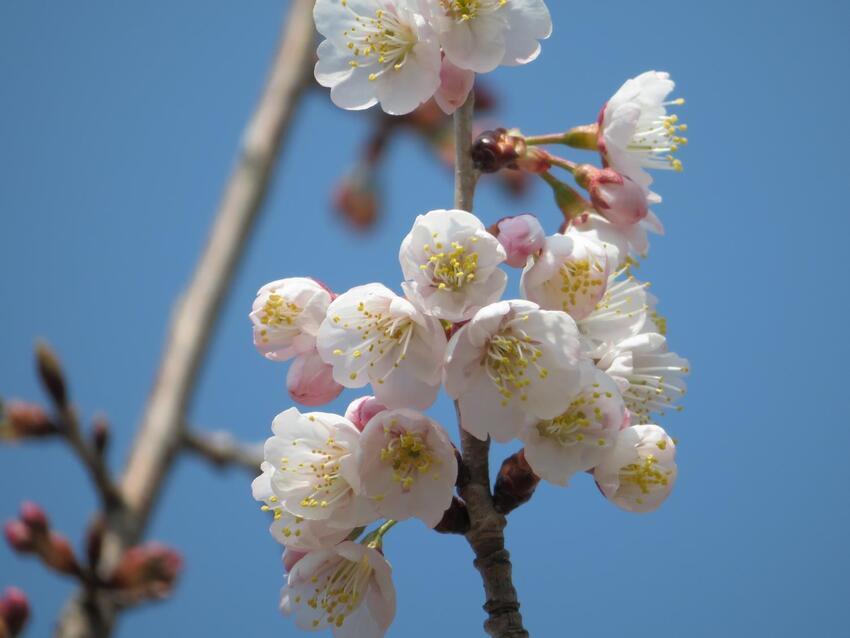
<point x="160" y="435"/>
<point x="222" y="450"/>
<point x="486" y="533"/>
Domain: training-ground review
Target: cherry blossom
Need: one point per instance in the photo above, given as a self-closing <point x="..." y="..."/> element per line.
<point x="630" y="240"/>
<point x="310" y="380"/>
<point x="455" y="85"/>
<point x="621" y="313"/>
<point x="521" y="237"/>
<point x="360" y="411"/>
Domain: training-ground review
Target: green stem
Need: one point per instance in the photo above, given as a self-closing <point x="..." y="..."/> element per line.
<point x="560" y="162"/>
<point x="539" y="140"/>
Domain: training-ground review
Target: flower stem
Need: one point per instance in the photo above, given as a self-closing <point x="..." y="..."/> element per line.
<point x="539" y="140"/>
<point x="560" y="162"/>
<point x="485" y="535"/>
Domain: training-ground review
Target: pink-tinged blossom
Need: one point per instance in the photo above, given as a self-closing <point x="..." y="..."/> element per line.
<point x="617" y="198"/>
<point x="347" y="588"/>
<point x="639" y="473"/>
<point x="376" y="51"/>
<point x="511" y="361"/>
<point x="310" y="380"/>
<point x="286" y="315"/>
<point x="630" y="241"/>
<point x="521" y="237"/>
<point x="571" y="274"/>
<point x="455" y="85"/>
<point x="371" y="335"/>
<point x="578" y="439"/>
<point x="360" y="411"/>
<point x="407" y="465"/>
<point x="451" y="264"/>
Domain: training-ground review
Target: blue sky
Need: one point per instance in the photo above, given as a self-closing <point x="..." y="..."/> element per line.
<point x="119" y="123"/>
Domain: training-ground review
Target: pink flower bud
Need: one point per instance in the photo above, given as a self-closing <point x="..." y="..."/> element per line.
<point x="310" y="380"/>
<point x="34" y="518"/>
<point x="360" y="411"/>
<point x="148" y="571"/>
<point x="520" y="236"/>
<point x="18" y="536"/>
<point x="28" y="420"/>
<point x="620" y="200"/>
<point x="14" y="611"/>
<point x="290" y="557"/>
<point x="357" y="199"/>
<point x="455" y="85"/>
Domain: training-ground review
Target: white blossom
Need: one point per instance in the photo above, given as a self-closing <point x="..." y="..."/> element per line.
<point x="631" y="241"/>
<point x="347" y="588"/>
<point x="620" y="314"/>
<point x="286" y="317"/>
<point x="482" y="34"/>
<point x="639" y="473"/>
<point x="510" y="361"/>
<point x="371" y="335"/>
<point x="407" y="465"/>
<point x="376" y="51"/>
<point x="571" y="274"/>
<point x="649" y="376"/>
<point x="315" y="476"/>
<point x="451" y="264"/>
<point x="635" y="131"/>
<point x="578" y="439"/>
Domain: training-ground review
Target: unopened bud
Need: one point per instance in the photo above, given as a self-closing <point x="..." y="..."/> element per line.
<point x="50" y="371"/>
<point x="516" y="183"/>
<point x="310" y="380"/>
<point x="497" y="149"/>
<point x="515" y="483"/>
<point x="583" y="137"/>
<point x="620" y="200"/>
<point x="34" y="518"/>
<point x="147" y="571"/>
<point x="100" y="435"/>
<point x="14" y="611"/>
<point x="18" y="536"/>
<point x="28" y="420"/>
<point x="520" y="236"/>
<point x="455" y="519"/>
<point x="360" y="411"/>
<point x="356" y="199"/>
<point x="455" y="85"/>
<point x="58" y="554"/>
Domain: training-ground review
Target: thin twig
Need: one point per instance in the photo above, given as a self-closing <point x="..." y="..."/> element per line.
<point x="222" y="450"/>
<point x="485" y="536"/>
<point x="160" y="434"/>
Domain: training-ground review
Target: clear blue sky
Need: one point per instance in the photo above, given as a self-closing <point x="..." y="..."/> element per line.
<point x="118" y="124"/>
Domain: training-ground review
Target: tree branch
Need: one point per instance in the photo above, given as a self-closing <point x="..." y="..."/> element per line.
<point x="486" y="535"/>
<point x="222" y="450"/>
<point x="160" y="434"/>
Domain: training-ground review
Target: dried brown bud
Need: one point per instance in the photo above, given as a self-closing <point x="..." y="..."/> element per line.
<point x="14" y="611"/>
<point x="18" y="536"/>
<point x="28" y="420"/>
<point x="50" y="371"/>
<point x="515" y="484"/>
<point x="100" y="434"/>
<point x="34" y="518"/>
<point x="356" y="199"/>
<point x="497" y="149"/>
<point x="147" y="571"/>
<point x="455" y="519"/>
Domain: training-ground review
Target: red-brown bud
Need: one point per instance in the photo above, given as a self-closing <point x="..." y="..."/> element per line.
<point x="515" y="484"/>
<point x="58" y="554"/>
<point x="34" y="518"/>
<point x="356" y="199"/>
<point x="28" y="420"/>
<point x="148" y="571"/>
<point x="50" y="371"/>
<point x="19" y="536"/>
<point x="14" y="611"/>
<point x="100" y="435"/>
<point x="455" y="519"/>
<point x="497" y="149"/>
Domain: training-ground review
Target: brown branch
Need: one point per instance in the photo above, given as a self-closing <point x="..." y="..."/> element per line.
<point x="222" y="450"/>
<point x="160" y="434"/>
<point x="486" y="535"/>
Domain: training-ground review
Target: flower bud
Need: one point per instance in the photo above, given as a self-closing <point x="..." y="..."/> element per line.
<point x="455" y="85"/>
<point x="34" y="518"/>
<point x="515" y="483"/>
<point x="356" y="199"/>
<point x="520" y="236"/>
<point x="19" y="536"/>
<point x="100" y="435"/>
<point x="310" y="380"/>
<point x="620" y="200"/>
<point x="455" y="519"/>
<point x="497" y="149"/>
<point x="147" y="571"/>
<point x="50" y="371"/>
<point x="58" y="554"/>
<point x="14" y="611"/>
<point x="360" y="411"/>
<point x="28" y="420"/>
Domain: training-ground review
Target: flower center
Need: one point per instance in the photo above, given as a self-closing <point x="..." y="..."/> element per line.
<point x="408" y="455"/>
<point x="451" y="270"/>
<point x="579" y="279"/>
<point x="278" y="312"/>
<point x="339" y="592"/>
<point x="381" y="335"/>
<point x="572" y="426"/>
<point x="326" y="485"/>
<point x="649" y="389"/>
<point x="508" y="360"/>
<point x="658" y="139"/>
<point x="644" y="475"/>
<point x="462" y="10"/>
<point x="383" y="40"/>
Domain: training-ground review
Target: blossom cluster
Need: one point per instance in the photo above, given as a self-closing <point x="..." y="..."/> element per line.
<point x="401" y="53"/>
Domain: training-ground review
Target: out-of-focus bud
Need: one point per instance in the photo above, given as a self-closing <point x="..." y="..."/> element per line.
<point x="19" y="536"/>
<point x="620" y="200"/>
<point x="520" y="236"/>
<point x="357" y="200"/>
<point x="27" y="420"/>
<point x="147" y="571"/>
<point x="100" y="435"/>
<point x="584" y="137"/>
<point x="50" y="372"/>
<point x="571" y="204"/>
<point x="310" y="380"/>
<point x="485" y="99"/>
<point x="58" y="554"/>
<point x="516" y="183"/>
<point x="290" y="557"/>
<point x="455" y="519"/>
<point x="34" y="518"/>
<point x="360" y="411"/>
<point x="499" y="148"/>
<point x="94" y="542"/>
<point x="14" y="612"/>
<point x="515" y="484"/>
<point x="455" y="85"/>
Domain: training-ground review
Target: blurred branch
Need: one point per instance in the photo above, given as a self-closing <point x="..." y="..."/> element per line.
<point x="485" y="535"/>
<point x="222" y="450"/>
<point x="160" y="434"/>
